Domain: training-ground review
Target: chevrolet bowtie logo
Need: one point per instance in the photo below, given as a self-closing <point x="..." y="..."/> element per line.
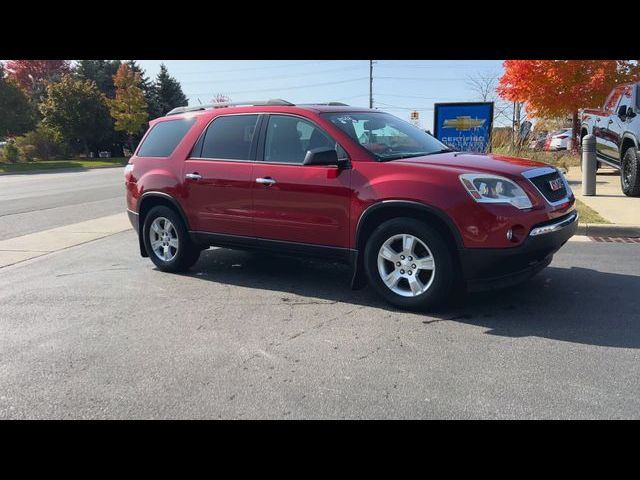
<point x="464" y="123"/>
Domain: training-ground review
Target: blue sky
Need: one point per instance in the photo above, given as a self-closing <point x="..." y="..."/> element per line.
<point x="399" y="85"/>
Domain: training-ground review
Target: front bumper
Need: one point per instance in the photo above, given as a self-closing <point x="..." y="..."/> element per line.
<point x="488" y="268"/>
<point x="133" y="218"/>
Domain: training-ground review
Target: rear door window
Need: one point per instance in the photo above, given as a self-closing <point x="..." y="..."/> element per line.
<point x="164" y="137"/>
<point x="230" y="137"/>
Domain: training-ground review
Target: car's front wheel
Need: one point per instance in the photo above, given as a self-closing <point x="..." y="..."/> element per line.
<point x="167" y="241"/>
<point x="630" y="173"/>
<point x="408" y="264"/>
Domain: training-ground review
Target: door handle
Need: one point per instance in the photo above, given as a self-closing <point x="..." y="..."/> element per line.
<point x="610" y="121"/>
<point x="268" y="181"/>
<point x="597" y="119"/>
<point x="193" y="176"/>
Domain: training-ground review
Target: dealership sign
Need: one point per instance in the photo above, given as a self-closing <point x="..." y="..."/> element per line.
<point x="464" y="127"/>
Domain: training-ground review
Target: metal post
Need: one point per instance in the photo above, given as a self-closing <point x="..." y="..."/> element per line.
<point x="370" y="83"/>
<point x="589" y="165"/>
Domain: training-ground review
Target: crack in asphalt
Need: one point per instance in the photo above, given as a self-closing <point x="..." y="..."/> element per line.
<point x="91" y="271"/>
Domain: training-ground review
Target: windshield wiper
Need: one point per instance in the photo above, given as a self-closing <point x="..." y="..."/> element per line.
<point x="444" y="150"/>
<point x="413" y="154"/>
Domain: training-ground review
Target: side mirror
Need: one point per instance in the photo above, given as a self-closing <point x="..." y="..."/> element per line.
<point x="322" y="156"/>
<point x="630" y="112"/>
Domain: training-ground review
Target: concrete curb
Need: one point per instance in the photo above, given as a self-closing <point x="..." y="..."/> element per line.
<point x="608" y="230"/>
<point x="25" y="247"/>
<point x="60" y="170"/>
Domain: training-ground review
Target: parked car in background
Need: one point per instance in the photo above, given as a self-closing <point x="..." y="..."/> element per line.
<point x="616" y="127"/>
<point x="559" y="140"/>
<point x="537" y="143"/>
<point x="415" y="220"/>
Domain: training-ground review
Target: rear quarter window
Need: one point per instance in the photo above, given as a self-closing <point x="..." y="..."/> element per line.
<point x="164" y="137"/>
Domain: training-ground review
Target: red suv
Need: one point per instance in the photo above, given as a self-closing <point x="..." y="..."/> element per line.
<point x="415" y="219"/>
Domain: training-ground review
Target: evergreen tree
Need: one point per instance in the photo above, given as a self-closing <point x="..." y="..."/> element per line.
<point x="101" y="72"/>
<point x="168" y="92"/>
<point x="18" y="115"/>
<point x="148" y="89"/>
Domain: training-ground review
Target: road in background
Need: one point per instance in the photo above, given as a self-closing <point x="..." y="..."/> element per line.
<point x="95" y="331"/>
<point x="35" y="202"/>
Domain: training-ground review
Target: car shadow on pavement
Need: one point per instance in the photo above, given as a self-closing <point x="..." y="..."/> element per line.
<point x="578" y="305"/>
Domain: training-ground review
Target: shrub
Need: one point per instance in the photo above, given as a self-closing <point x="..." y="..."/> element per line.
<point x="28" y="152"/>
<point x="11" y="153"/>
<point x="501" y="137"/>
<point x="41" y="143"/>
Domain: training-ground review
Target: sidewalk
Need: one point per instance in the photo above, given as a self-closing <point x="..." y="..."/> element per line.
<point x="609" y="200"/>
<point x="18" y="249"/>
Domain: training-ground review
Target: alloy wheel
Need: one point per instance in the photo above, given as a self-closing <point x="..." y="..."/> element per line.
<point x="406" y="265"/>
<point x="164" y="239"/>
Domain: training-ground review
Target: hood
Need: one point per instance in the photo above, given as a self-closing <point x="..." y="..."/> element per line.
<point x="476" y="162"/>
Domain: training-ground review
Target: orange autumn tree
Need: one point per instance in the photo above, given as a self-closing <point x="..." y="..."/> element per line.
<point x="129" y="108"/>
<point x="554" y="88"/>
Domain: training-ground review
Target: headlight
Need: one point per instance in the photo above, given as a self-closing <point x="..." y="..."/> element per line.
<point x="487" y="188"/>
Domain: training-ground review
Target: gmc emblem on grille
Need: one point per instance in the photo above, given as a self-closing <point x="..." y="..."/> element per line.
<point x="555" y="184"/>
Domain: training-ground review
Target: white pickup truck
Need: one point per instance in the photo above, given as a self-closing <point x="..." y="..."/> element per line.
<point x="616" y="127"/>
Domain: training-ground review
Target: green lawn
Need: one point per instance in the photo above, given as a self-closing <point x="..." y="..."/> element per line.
<point x="588" y="214"/>
<point x="55" y="164"/>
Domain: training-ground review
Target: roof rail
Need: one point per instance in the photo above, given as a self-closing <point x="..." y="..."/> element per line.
<point x="329" y="104"/>
<point x="195" y="108"/>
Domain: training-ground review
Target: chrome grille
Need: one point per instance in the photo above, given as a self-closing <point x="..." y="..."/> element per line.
<point x="543" y="178"/>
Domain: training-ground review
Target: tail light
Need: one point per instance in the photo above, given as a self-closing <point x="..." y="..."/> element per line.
<point x="562" y="136"/>
<point x="128" y="173"/>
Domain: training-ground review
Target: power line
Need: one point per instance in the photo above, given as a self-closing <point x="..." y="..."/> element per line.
<point x="261" y="78"/>
<point x="297" y="64"/>
<point x="283" y="89"/>
<point x="349" y="98"/>
<point x="422" y="79"/>
<point x="428" y="66"/>
<point x="404" y="108"/>
<point x="418" y="97"/>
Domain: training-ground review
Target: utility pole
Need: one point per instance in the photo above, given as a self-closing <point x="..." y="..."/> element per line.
<point x="370" y="83"/>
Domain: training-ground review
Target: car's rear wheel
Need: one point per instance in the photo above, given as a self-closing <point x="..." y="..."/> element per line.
<point x="167" y="241"/>
<point x="630" y="173"/>
<point x="408" y="264"/>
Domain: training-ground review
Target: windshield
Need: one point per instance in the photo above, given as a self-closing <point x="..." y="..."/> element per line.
<point x="385" y="136"/>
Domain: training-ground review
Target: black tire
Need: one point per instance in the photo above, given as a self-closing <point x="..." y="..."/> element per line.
<point x="186" y="254"/>
<point x="444" y="273"/>
<point x="630" y="173"/>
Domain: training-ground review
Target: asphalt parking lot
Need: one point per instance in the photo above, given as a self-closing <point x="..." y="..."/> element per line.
<point x="95" y="331"/>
